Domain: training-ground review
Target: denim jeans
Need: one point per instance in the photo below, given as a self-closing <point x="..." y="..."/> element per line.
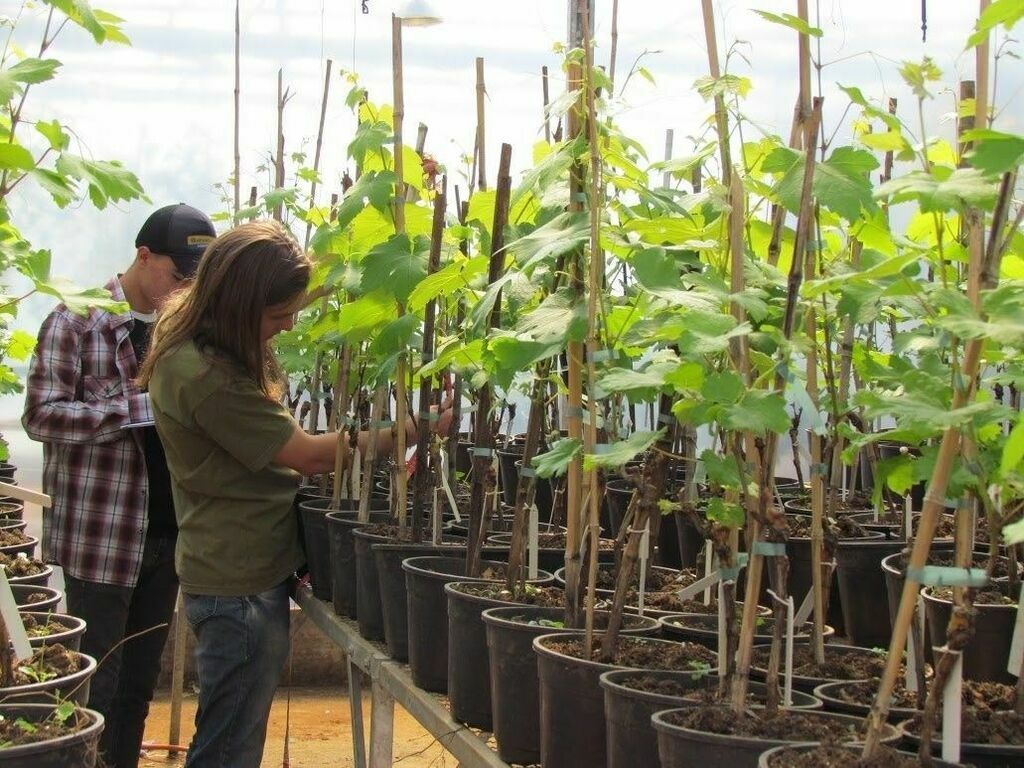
<point x="241" y="648"/>
<point x="123" y="684"/>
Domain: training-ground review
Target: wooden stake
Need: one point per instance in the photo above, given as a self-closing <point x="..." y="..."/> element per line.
<point x="319" y="144"/>
<point x="934" y="503"/>
<point x="666" y="179"/>
<point x="238" y="81"/>
<point x="721" y="118"/>
<point x="401" y="407"/>
<point x="422" y="477"/>
<point x="483" y="472"/>
<point x="481" y="153"/>
<point x="282" y="99"/>
<point x="544" y="86"/>
<point x="615" y="45"/>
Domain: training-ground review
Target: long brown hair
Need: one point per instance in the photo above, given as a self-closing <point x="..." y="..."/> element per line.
<point x="242" y="273"/>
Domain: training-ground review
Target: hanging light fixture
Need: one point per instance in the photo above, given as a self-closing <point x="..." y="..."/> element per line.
<point x="418" y="13"/>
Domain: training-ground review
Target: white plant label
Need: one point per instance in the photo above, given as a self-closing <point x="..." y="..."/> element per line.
<point x="12" y="619"/>
<point x="533" y="543"/>
<point x="1017" y="644"/>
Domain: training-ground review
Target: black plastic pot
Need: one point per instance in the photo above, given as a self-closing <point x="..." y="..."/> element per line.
<point x="630" y="738"/>
<point x="73" y="687"/>
<point x="977" y="755"/>
<point x="617" y="494"/>
<point x="342" y="553"/>
<point x="988" y="654"/>
<point x="543" y="496"/>
<point x="71" y="639"/>
<point x="572" y="726"/>
<point x="548" y="558"/>
<point x="11" y="510"/>
<point x="469" y="673"/>
<point x="799" y="551"/>
<point x="78" y="749"/>
<point x="21" y="593"/>
<point x="515" y="686"/>
<point x="27" y="547"/>
<point x="369" y="615"/>
<point x="703" y="629"/>
<point x="776" y="757"/>
<point x="829" y="693"/>
<point x="680" y="747"/>
<point x="509" y="458"/>
<point x="425" y="578"/>
<point x="806" y="683"/>
<point x="394" y="601"/>
<point x="313" y="513"/>
<point x="862" y="590"/>
<point x="39" y="579"/>
<point x="7" y="471"/>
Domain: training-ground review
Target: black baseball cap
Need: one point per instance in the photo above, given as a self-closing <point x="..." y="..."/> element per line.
<point x="179" y="231"/>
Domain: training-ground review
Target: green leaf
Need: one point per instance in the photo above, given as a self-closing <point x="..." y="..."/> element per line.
<point x="371" y="137"/>
<point x="720" y="470"/>
<point x="55" y="184"/>
<point x="791" y="21"/>
<point x="15" y="157"/>
<point x="20" y="345"/>
<point x="80" y="300"/>
<point x="758" y="411"/>
<point x="709" y="87"/>
<point x="358" y="319"/>
<point x="940" y="190"/>
<point x="1014" y="532"/>
<point x="33" y="71"/>
<point x="108" y="180"/>
<point x="562" y="234"/>
<point x="556" y="461"/>
<point x="507" y="356"/>
<point x="561" y="317"/>
<point x="82" y="14"/>
<point x="995" y="152"/>
<point x="726" y="513"/>
<point x="1013" y="450"/>
<point x="1005" y="12"/>
<point x="889" y="141"/>
<point x="54" y="134"/>
<point x="917" y="76"/>
<point x="394" y="337"/>
<point x="619" y="453"/>
<point x="392" y="267"/>
<point x="723" y="387"/>
<point x="447" y="281"/>
<point x="655" y="269"/>
<point x="639" y="386"/>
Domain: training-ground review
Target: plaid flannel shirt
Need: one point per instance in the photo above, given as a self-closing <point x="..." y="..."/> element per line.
<point x="79" y="394"/>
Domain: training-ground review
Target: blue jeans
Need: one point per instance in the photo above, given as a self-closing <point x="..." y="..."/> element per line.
<point x="241" y="648"/>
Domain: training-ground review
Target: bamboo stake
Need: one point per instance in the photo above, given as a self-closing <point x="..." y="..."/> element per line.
<point x="544" y="87"/>
<point x="401" y="407"/>
<point x="423" y="435"/>
<point x="377" y="412"/>
<point x="666" y="179"/>
<point x="282" y="98"/>
<point x="574" y="353"/>
<point x="483" y="473"/>
<point x="615" y="45"/>
<point x="721" y="123"/>
<point x="339" y="414"/>
<point x="319" y="144"/>
<point x="481" y="153"/>
<point x="238" y="81"/>
<point x="756" y="562"/>
<point x="934" y="503"/>
<point x="596" y="281"/>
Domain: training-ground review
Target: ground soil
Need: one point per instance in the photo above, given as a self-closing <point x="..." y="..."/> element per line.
<point x="983" y="726"/>
<point x="783" y="726"/>
<point x="654" y="580"/>
<point x="975" y="694"/>
<point x="12" y="538"/>
<point x="20" y="566"/>
<point x="641" y="654"/>
<point x="52" y="661"/>
<point x="34" y="597"/>
<point x="990" y="595"/>
<point x="36" y="629"/>
<point x="14" y="733"/>
<point x="540" y="596"/>
<point x="832" y="756"/>
<point x="320" y="733"/>
<point x="838" y="666"/>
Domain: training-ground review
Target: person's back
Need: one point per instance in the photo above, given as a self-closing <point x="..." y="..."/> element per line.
<point x="112" y="528"/>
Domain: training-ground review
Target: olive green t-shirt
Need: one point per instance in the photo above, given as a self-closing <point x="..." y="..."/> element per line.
<point x="237" y="533"/>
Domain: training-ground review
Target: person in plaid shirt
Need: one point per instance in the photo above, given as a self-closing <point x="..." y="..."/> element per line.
<point x="112" y="528"/>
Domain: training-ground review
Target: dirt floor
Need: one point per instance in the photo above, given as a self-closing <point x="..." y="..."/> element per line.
<point x="320" y="733"/>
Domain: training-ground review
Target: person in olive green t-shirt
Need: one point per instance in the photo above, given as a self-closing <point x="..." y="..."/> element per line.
<point x="235" y="455"/>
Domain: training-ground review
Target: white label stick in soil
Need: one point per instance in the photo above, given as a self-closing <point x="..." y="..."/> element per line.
<point x="1017" y="644"/>
<point x="722" y="643"/>
<point x="709" y="565"/>
<point x="911" y="665"/>
<point x="12" y="619"/>
<point x="533" y="542"/>
<point x="908" y="518"/>
<point x="448" y="488"/>
<point x="436" y="517"/>
<point x="952" y="702"/>
<point x="645" y="539"/>
<point x="789" y="650"/>
<point x="357" y="472"/>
